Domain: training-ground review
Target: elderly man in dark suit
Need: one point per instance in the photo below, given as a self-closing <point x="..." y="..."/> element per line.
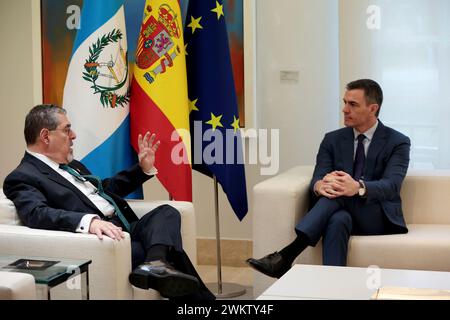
<point x="53" y="191"/>
<point x="356" y="184"/>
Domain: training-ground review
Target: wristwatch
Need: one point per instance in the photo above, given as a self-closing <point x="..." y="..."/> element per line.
<point x="362" y="189"/>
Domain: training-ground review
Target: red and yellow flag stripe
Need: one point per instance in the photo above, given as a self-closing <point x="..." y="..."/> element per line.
<point x="159" y="96"/>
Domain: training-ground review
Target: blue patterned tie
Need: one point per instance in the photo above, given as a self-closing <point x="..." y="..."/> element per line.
<point x="97" y="182"/>
<point x="360" y="157"/>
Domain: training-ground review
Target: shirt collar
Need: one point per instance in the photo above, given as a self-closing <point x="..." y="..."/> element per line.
<point x="52" y="164"/>
<point x="369" y="133"/>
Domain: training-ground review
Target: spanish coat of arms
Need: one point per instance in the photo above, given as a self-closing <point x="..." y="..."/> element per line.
<point x="156" y="49"/>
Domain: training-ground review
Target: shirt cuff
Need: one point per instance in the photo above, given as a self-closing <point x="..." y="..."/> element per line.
<point x="315" y="189"/>
<point x="153" y="172"/>
<point x="85" y="223"/>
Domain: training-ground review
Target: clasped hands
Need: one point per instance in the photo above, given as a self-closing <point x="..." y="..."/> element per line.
<point x="337" y="184"/>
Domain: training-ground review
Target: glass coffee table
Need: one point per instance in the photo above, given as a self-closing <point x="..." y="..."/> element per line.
<point x="50" y="272"/>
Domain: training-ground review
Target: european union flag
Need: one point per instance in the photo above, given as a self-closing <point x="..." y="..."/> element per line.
<point x="214" y="119"/>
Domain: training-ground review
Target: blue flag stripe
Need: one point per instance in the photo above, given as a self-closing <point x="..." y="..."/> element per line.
<point x="113" y="145"/>
<point x="94" y="14"/>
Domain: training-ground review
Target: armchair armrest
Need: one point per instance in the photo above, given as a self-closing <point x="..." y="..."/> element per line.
<point x="278" y="204"/>
<point x="17" y="286"/>
<point x="188" y="223"/>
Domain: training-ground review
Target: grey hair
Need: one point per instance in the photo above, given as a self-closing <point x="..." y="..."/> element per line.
<point x="40" y="117"/>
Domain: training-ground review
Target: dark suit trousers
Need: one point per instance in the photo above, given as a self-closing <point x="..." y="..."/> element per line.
<point x="335" y="220"/>
<point x="162" y="226"/>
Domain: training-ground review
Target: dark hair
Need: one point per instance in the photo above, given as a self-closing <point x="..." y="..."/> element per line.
<point x="40" y="117"/>
<point x="372" y="91"/>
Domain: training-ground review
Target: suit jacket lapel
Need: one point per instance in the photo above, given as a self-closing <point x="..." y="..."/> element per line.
<point x="56" y="177"/>
<point x="375" y="147"/>
<point x="347" y="145"/>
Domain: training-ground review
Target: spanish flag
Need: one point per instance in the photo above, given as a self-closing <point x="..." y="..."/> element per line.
<point x="159" y="98"/>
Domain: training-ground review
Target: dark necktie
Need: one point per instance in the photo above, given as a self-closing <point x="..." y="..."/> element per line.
<point x="360" y="157"/>
<point x="96" y="181"/>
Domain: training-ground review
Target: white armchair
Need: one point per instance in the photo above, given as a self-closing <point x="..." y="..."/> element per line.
<point x="111" y="260"/>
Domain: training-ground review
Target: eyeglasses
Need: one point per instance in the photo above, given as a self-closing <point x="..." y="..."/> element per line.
<point x="66" y="130"/>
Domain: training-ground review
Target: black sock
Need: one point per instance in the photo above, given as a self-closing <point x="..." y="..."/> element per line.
<point x="292" y="250"/>
<point x="157" y="252"/>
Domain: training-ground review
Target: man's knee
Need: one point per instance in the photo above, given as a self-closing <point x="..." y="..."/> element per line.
<point x="168" y="208"/>
<point x="169" y="211"/>
<point x="327" y="205"/>
<point x="163" y="213"/>
<point x="341" y="219"/>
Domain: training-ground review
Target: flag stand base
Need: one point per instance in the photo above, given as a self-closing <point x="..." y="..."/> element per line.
<point x="228" y="290"/>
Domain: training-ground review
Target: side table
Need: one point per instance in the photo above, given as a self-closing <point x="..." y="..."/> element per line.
<point x="50" y="272"/>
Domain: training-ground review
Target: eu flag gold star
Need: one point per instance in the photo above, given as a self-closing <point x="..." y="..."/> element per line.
<point x="215" y="121"/>
<point x="192" y="105"/>
<point x="235" y="124"/>
<point x="218" y="9"/>
<point x="195" y="24"/>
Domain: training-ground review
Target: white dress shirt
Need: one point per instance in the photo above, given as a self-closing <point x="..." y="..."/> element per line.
<point x="88" y="189"/>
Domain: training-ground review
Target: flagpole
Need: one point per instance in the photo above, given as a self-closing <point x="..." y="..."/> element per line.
<point x="220" y="289"/>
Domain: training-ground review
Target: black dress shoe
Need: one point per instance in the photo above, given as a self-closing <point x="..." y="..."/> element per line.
<point x="162" y="277"/>
<point x="272" y="265"/>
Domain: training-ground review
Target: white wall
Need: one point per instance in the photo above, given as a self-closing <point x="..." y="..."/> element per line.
<point x="298" y="35"/>
<point x="352" y="40"/>
<point x="18" y="73"/>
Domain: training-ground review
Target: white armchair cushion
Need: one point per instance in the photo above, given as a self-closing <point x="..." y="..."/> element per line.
<point x="17" y="286"/>
<point x="8" y="213"/>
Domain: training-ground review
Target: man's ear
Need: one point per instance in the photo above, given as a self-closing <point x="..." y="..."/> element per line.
<point x="43" y="136"/>
<point x="374" y="108"/>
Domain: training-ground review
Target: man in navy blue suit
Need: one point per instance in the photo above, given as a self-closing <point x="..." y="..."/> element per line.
<point x="356" y="184"/>
<point x="53" y="191"/>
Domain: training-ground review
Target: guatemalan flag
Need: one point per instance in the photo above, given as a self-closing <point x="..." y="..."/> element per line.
<point x="96" y="92"/>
